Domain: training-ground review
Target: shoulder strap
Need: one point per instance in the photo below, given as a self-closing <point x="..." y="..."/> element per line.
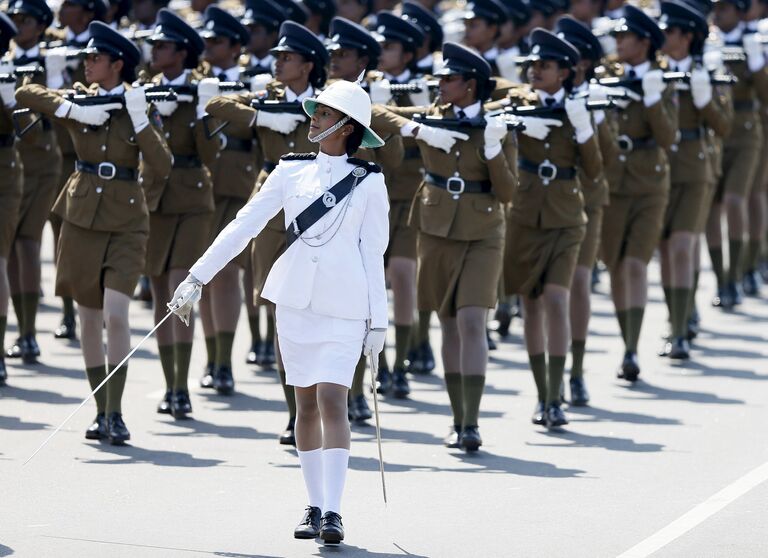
<point x="322" y="205"/>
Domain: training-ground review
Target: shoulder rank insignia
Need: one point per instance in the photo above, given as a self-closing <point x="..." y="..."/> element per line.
<point x="370" y="166"/>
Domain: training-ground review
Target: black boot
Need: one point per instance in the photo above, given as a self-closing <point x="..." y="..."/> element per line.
<point x="164" y="407"/>
<point x="503" y="317"/>
<point x="452" y="439"/>
<point x="97" y="430"/>
<point x="267" y="355"/>
<point x="3" y="371"/>
<point x="400" y="387"/>
<point x="30" y="351"/>
<point x="223" y="382"/>
<point x="181" y="406"/>
<point x="359" y="409"/>
<point x="253" y="355"/>
<point x="680" y="349"/>
<point x="538" y="413"/>
<point x="66" y="329"/>
<point x="383" y="381"/>
<point x="118" y="432"/>
<point x="207" y="380"/>
<point x="630" y="369"/>
<point x="309" y="526"/>
<point x="288" y="437"/>
<point x="579" y="394"/>
<point x="693" y="325"/>
<point x="555" y="417"/>
<point x="331" y="529"/>
<point x="470" y="439"/>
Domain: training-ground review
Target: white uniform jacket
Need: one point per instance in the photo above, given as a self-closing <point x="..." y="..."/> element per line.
<point x="343" y="278"/>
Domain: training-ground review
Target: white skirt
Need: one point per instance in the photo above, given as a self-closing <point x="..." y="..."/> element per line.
<point x="317" y="348"/>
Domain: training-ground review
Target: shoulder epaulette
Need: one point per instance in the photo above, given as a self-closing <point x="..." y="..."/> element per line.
<point x="298" y="157"/>
<point x="370" y="165"/>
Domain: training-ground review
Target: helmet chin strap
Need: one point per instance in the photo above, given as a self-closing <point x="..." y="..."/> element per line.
<point x="322" y="135"/>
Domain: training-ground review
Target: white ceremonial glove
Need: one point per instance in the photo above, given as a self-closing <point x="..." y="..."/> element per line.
<point x="92" y="116"/>
<point x="538" y="128"/>
<point x="713" y="60"/>
<point x="701" y="88"/>
<point x="598" y="92"/>
<point x="507" y="64"/>
<point x="653" y="87"/>
<point x="374" y="342"/>
<point x="421" y="99"/>
<point x="184" y="297"/>
<point x="259" y="82"/>
<point x="166" y="108"/>
<point x="8" y="94"/>
<point x="55" y="65"/>
<point x="439" y="137"/>
<point x="280" y="122"/>
<point x="754" y="51"/>
<point x="762" y="26"/>
<point x="577" y="112"/>
<point x="207" y="89"/>
<point x="379" y="92"/>
<point x="136" y="105"/>
<point x="495" y="131"/>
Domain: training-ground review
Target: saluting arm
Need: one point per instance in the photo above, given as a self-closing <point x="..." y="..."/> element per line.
<point x="662" y="117"/>
<point x="40" y="99"/>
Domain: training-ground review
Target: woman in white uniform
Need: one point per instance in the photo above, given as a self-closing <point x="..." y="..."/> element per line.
<point x="328" y="285"/>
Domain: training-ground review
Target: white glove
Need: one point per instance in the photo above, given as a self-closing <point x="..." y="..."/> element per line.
<point x="184" y="297"/>
<point x="166" y="108"/>
<point x="754" y="51"/>
<point x="713" y="60"/>
<point x="136" y="105"/>
<point x="259" y="82"/>
<point x="538" y="128"/>
<point x="280" y="122"/>
<point x="90" y="115"/>
<point x="55" y="65"/>
<point x="439" y="137"/>
<point x="701" y="88"/>
<point x="379" y="92"/>
<point x="577" y="112"/>
<point x="207" y="89"/>
<point x="421" y="99"/>
<point x="374" y="342"/>
<point x="653" y="87"/>
<point x="8" y="94"/>
<point x="598" y="92"/>
<point x="495" y="131"/>
<point x="762" y="27"/>
<point x="507" y="64"/>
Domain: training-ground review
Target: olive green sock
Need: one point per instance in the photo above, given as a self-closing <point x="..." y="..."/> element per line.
<point x="668" y="300"/>
<point x="621" y="316"/>
<point x="453" y="387"/>
<point x="210" y="349"/>
<point x="423" y="333"/>
<point x="253" y="325"/>
<point x="383" y="359"/>
<point x="359" y="377"/>
<point x="555" y="370"/>
<point x="115" y="387"/>
<point x="29" y="302"/>
<point x="634" y="324"/>
<point x="472" y="392"/>
<point x="95" y="376"/>
<point x="402" y="338"/>
<point x="289" y="392"/>
<point x="270" y="328"/>
<point x="716" y="255"/>
<point x="680" y="299"/>
<point x="539" y="368"/>
<point x="224" y="341"/>
<point x="753" y="254"/>
<point x="166" y="362"/>
<point x="577" y="358"/>
<point x="182" y="354"/>
<point x="735" y="247"/>
<point x="68" y="306"/>
<point x="18" y="309"/>
<point x="692" y="295"/>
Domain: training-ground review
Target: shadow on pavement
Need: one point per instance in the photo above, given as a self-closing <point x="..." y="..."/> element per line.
<point x="242" y="401"/>
<point x="705" y="370"/>
<point x="38" y="395"/>
<point x="14" y="423"/>
<point x="594" y="414"/>
<point x="491" y="463"/>
<point x="656" y="392"/>
<point x="156" y="547"/>
<point x="130" y="455"/>
<point x="349" y="550"/>
<point x="195" y="427"/>
<point x="578" y="440"/>
<point x="431" y="408"/>
<point x="5" y="550"/>
<point x="42" y="368"/>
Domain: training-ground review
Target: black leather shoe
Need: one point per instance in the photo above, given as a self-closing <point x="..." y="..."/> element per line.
<point x="66" y="329"/>
<point x="223" y="382"/>
<point x="267" y="354"/>
<point x="491" y="343"/>
<point x="181" y="406"/>
<point x="253" y="355"/>
<point x="680" y="349"/>
<point x="17" y="348"/>
<point x="630" y="369"/>
<point x="722" y="299"/>
<point x="579" y="393"/>
<point x="503" y="317"/>
<point x="428" y="358"/>
<point x="3" y="371"/>
<point x="164" y="407"/>
<point x="400" y="387"/>
<point x="98" y="430"/>
<point x="452" y="439"/>
<point x="118" y="432"/>
<point x="538" y="413"/>
<point x="555" y="417"/>
<point x="288" y="437"/>
<point x="143" y="292"/>
<point x="735" y="293"/>
<point x="383" y="381"/>
<point x="470" y="439"/>
<point x="30" y="351"/>
<point x="750" y="284"/>
<point x="331" y="529"/>
<point x="359" y="409"/>
<point x="309" y="526"/>
<point x="207" y="380"/>
<point x="666" y="348"/>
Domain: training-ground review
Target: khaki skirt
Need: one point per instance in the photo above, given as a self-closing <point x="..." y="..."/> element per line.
<point x="10" y="200"/>
<point x="740" y="165"/>
<point x="453" y="274"/>
<point x="591" y="243"/>
<point x="40" y="190"/>
<point x="176" y="241"/>
<point x="688" y="207"/>
<point x="536" y="257"/>
<point x="402" y="236"/>
<point x="87" y="262"/>
<point x="632" y="228"/>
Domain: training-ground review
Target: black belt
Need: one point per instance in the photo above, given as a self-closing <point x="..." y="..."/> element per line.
<point x="187" y="162"/>
<point x="411" y="153"/>
<point x="744" y="106"/>
<point x="546" y="170"/>
<point x="688" y="135"/>
<point x="269" y="166"/>
<point x="107" y="171"/>
<point x="627" y="144"/>
<point x="6" y="140"/>
<point x="457" y="185"/>
<point x="237" y="144"/>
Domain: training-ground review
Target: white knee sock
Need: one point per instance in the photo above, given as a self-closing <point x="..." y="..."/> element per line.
<point x="312" y="469"/>
<point x="335" y="462"/>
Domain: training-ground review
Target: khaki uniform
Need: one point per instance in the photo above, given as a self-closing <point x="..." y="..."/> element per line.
<point x="11" y="183"/>
<point x="638" y="178"/>
<point x="106" y="222"/>
<point x="181" y="207"/>
<point x="461" y="236"/>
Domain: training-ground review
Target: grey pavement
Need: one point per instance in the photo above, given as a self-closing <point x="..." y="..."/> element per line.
<point x="627" y="466"/>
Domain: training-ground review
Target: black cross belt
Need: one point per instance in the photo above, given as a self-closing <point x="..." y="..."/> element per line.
<point x="187" y="162"/>
<point x="237" y="144"/>
<point x="457" y="185"/>
<point x="691" y="134"/>
<point x="269" y="166"/>
<point x="107" y="171"/>
<point x="546" y="170"/>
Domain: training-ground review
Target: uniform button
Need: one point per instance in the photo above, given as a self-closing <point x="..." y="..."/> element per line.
<point x="658" y="168"/>
<point x="199" y="184"/>
<point x="131" y="138"/>
<point x="673" y="148"/>
<point x="248" y="168"/>
<point x="575" y="191"/>
<point x="192" y="124"/>
<point x="98" y="189"/>
<point x="167" y="135"/>
<point x="328" y="170"/>
<point x="218" y="155"/>
<point x="488" y="209"/>
<point x="131" y="201"/>
<point x="701" y="155"/>
<point x="456" y="173"/>
<point x="291" y="144"/>
<point x="748" y="125"/>
<point x="141" y="180"/>
<point x="623" y="158"/>
<point x="546" y="146"/>
<point x="13" y="164"/>
<point x="103" y="147"/>
<point x="315" y="258"/>
<point x="85" y="130"/>
<point x="624" y="117"/>
<point x="47" y="146"/>
<point x="457" y="153"/>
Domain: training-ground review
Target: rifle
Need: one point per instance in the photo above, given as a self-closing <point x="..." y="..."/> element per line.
<point x="292" y="107"/>
<point x="460" y="123"/>
<point x="554" y="111"/>
<point x="404" y="88"/>
<point x="668" y="77"/>
<point x="20" y="72"/>
<point x="190" y="90"/>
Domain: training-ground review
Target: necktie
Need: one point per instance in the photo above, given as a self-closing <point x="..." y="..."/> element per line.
<point x="632" y="74"/>
<point x="462" y="115"/>
<point x="549" y="101"/>
<point x="222" y="76"/>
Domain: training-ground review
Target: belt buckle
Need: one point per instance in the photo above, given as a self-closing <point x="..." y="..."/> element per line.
<point x="547" y="171"/>
<point x="625" y="143"/>
<point x="109" y="167"/>
<point x="458" y="180"/>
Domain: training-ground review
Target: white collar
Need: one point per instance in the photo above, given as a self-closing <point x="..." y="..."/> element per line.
<point x="426" y="62"/>
<point x="291" y="97"/>
<point x="33" y="52"/>
<point x="640" y="69"/>
<point x="580" y="88"/>
<point x="558" y="96"/>
<point x="331" y="159"/>
<point x="81" y="38"/>
<point x="734" y="35"/>
<point x="491" y="54"/>
<point x="683" y="65"/>
<point x="472" y="111"/>
<point x="614" y="14"/>
<point x="119" y="90"/>
<point x="233" y="73"/>
<point x="266" y="61"/>
<point x="405" y="77"/>
<point x="181" y="80"/>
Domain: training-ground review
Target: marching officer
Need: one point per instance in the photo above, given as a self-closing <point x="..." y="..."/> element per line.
<point x="482" y="22"/>
<point x="263" y="19"/>
<point x="433" y="35"/>
<point x="104" y="213"/>
<point x="181" y="206"/>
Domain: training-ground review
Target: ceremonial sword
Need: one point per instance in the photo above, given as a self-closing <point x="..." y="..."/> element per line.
<point x="374" y="373"/>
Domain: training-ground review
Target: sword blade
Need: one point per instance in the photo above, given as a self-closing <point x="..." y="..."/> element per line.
<point x="104" y="381"/>
<point x="374" y="373"/>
